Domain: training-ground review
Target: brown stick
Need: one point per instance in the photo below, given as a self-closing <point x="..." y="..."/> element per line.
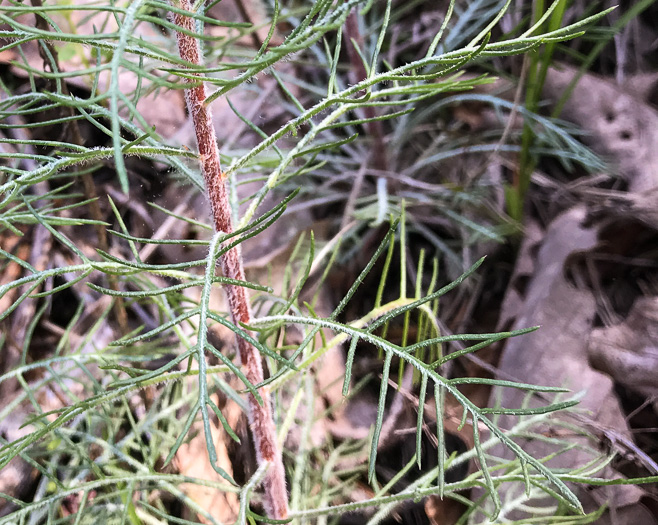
<point x="75" y="136"/>
<point x="260" y="417"/>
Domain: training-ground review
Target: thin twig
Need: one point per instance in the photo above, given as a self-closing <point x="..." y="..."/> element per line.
<point x="72" y="130"/>
<point x="378" y="158"/>
<point x="260" y="416"/>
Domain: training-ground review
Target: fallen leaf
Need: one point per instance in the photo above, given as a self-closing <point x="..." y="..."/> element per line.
<point x="557" y="355"/>
<point x="192" y="460"/>
<point x="619" y="124"/>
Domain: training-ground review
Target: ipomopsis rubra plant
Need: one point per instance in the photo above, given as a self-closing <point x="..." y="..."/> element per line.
<point x="93" y="451"/>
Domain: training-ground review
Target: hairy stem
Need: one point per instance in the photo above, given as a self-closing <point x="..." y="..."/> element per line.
<point x="260" y="416"/>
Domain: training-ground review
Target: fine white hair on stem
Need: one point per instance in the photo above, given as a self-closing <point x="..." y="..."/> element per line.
<point x="261" y="421"/>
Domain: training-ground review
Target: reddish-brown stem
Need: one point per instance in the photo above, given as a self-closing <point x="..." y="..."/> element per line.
<point x="261" y="421"/>
<point x="357" y="73"/>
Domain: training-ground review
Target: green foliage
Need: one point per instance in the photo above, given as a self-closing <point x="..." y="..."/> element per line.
<point x="539" y="64"/>
<point x="126" y="478"/>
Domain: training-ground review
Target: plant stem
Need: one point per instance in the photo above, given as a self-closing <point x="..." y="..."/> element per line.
<point x="261" y="421"/>
<point x="357" y="73"/>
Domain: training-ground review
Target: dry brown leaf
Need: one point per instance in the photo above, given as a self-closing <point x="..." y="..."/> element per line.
<point x="443" y="511"/>
<point x="18" y="475"/>
<point x="7" y="56"/>
<point x="165" y="111"/>
<point x="13" y="270"/>
<point x="610" y="205"/>
<point x="619" y="125"/>
<point x="252" y="11"/>
<point x="192" y="460"/>
<point x="628" y="351"/>
<point x="557" y="353"/>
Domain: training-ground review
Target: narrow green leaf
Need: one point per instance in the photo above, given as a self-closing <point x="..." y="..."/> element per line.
<point x="381" y="406"/>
